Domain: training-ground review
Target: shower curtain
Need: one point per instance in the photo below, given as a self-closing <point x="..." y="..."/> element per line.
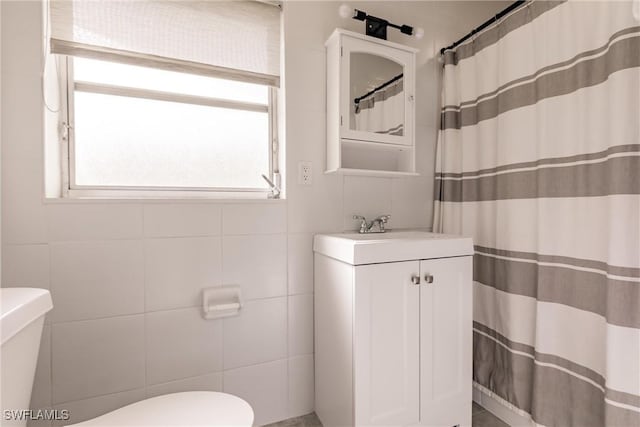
<point x="538" y="160"/>
<point x="382" y="111"/>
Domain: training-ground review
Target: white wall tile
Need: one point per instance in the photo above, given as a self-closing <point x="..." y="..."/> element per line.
<point x="300" y="263"/>
<point x="301" y="386"/>
<point x="254" y="218"/>
<point x="96" y="357"/>
<point x="367" y="196"/>
<point x="23" y="218"/>
<point x="181" y="344"/>
<point x="25" y="265"/>
<point x="86" y="409"/>
<point x="300" y="324"/>
<point x="314" y="29"/>
<point x="41" y="390"/>
<point x="264" y="387"/>
<point x="306" y="143"/>
<point x="258" y="334"/>
<point x="210" y="382"/>
<point x="182" y="220"/>
<point x="67" y="222"/>
<point x="177" y="269"/>
<point x="315" y="207"/>
<point x="96" y="279"/>
<point x="310" y="64"/>
<point x="257" y="263"/>
<point x="22" y="126"/>
<point x="411" y="203"/>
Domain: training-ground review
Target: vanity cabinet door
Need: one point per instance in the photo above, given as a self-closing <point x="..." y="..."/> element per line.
<point x="445" y="342"/>
<point x="386" y="344"/>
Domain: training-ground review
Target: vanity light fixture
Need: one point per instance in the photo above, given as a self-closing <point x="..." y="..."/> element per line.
<point x="377" y="27"/>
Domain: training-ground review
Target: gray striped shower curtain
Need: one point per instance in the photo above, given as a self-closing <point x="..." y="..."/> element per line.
<point x="539" y="161"/>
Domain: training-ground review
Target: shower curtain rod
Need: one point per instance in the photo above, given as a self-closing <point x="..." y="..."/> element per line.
<point x="509" y="8"/>
<point x="382" y="86"/>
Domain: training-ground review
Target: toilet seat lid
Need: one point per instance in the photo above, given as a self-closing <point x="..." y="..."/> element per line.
<point x="192" y="408"/>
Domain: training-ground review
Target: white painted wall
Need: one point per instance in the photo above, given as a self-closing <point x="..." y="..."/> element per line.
<point x="126" y="275"/>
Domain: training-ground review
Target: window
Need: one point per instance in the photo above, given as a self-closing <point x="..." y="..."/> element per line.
<point x="165" y="98"/>
<point x="140" y="128"/>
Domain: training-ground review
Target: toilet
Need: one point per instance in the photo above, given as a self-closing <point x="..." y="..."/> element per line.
<point x="22" y="312"/>
<point x="191" y="408"/>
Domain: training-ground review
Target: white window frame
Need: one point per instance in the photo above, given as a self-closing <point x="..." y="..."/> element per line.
<point x="73" y="190"/>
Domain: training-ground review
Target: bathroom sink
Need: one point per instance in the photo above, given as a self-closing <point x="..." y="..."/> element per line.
<point x="391" y="235"/>
<point x="357" y="249"/>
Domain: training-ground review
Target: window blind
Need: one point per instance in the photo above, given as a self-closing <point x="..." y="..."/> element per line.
<point x="237" y="40"/>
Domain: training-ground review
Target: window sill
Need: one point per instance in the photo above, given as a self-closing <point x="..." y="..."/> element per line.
<point x="220" y="198"/>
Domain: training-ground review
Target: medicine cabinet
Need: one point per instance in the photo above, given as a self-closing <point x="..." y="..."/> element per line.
<point x="370" y="106"/>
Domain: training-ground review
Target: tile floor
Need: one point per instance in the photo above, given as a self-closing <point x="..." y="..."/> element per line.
<point x="309" y="420"/>
<point x="481" y="418"/>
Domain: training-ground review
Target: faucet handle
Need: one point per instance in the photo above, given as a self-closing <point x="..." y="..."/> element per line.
<point x="383" y="218"/>
<point x="363" y="223"/>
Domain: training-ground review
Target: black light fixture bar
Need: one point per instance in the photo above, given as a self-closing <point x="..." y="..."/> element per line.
<point x="377" y="27"/>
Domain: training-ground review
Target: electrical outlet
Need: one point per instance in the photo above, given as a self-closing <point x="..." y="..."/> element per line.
<point x="305" y="173"/>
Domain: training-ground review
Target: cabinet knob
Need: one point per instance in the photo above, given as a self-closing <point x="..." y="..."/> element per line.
<point x="415" y="279"/>
<point x="428" y="278"/>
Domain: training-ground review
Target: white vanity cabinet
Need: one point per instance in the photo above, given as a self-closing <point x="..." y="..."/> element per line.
<point x="393" y="329"/>
<point x="370" y="105"/>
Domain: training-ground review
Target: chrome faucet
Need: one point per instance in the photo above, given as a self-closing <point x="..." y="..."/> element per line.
<point x="370" y="227"/>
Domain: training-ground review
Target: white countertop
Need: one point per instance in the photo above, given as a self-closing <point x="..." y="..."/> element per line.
<point x="392" y="246"/>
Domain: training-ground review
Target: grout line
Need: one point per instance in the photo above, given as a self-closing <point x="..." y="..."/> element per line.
<point x="162" y="310"/>
<point x="144" y="300"/>
<point x="66" y="402"/>
<point x="115" y="316"/>
<point x="287" y="331"/>
<point x="222" y="280"/>
<point x="50" y="332"/>
<point x="342" y="223"/>
<point x="253" y="365"/>
<point x="190" y="377"/>
<point x="285" y="359"/>
<point x="7" y="245"/>
<point x="97" y="240"/>
<point x="202" y="235"/>
<point x="50" y="365"/>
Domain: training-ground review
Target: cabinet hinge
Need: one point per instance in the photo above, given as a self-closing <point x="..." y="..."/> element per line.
<point x="341" y="50"/>
<point x="340" y="120"/>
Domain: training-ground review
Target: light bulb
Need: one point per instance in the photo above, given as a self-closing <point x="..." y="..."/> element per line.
<point x="419" y="33"/>
<point x="345" y="11"/>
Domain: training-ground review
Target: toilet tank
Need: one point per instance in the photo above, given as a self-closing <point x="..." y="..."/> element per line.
<point x="22" y="313"/>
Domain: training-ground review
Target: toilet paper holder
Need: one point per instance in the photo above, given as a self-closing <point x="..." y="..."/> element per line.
<point x="221" y="301"/>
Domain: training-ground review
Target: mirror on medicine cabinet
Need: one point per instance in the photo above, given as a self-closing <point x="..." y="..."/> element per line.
<point x="370" y="106"/>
